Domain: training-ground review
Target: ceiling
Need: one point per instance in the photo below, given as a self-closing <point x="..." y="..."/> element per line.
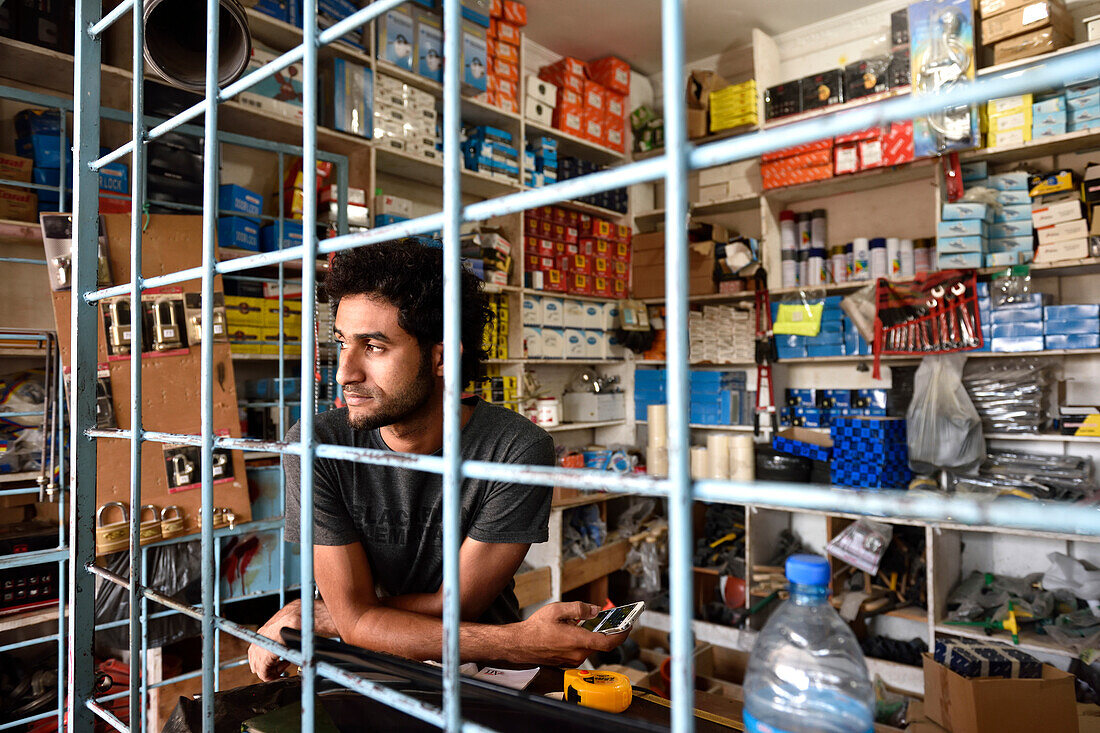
<point x="631" y="29"/>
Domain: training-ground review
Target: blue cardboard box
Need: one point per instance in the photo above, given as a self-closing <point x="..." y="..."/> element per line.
<point x="44" y="150"/>
<point x="1011" y="181"/>
<point x="429" y="45"/>
<point x="834" y="398"/>
<point x="830" y="349"/>
<point x="1071" y="312"/>
<point x="1033" y="314"/>
<point x="964" y="210"/>
<point x="1065" y="327"/>
<point x="115" y="177"/>
<point x="1014" y="198"/>
<point x="238" y="232"/>
<point x="1017" y="330"/>
<point x="352" y="96"/>
<point x="953" y="244"/>
<point x="959" y="260"/>
<point x="278" y="9"/>
<point x="804" y="443"/>
<point x="395" y="37"/>
<point x="1002" y="229"/>
<point x="474" y="56"/>
<point x="292" y="236"/>
<point x="962" y="228"/>
<point x="1015" y="345"/>
<point x="1054" y="129"/>
<point x="382" y="220"/>
<point x="974" y="171"/>
<point x="1054" y="104"/>
<point x="1010" y="244"/>
<point x="806" y="397"/>
<point x="1021" y="212"/>
<point x="239" y="200"/>
<point x="1072" y="341"/>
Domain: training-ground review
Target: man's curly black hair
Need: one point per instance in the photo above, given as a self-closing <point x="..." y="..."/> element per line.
<point x="408" y="274"/>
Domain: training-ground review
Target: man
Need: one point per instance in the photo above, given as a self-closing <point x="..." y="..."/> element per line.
<point x="378" y="530"/>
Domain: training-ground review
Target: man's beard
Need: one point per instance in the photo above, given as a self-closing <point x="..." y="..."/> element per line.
<point x="396" y="408"/>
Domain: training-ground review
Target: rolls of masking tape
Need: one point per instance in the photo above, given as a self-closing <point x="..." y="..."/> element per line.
<point x="698" y="462"/>
<point x="742" y="458"/>
<point x="656" y="460"/>
<point x="718" y="456"/>
<point x="657" y="417"/>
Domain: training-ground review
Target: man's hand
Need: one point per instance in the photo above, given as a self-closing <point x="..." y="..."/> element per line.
<point x="551" y="635"/>
<point x="264" y="664"/>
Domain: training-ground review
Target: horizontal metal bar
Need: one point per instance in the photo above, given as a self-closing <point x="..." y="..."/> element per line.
<point x="32" y="642"/>
<point x="20" y="492"/>
<point x="172" y="680"/>
<point x="23" y="559"/>
<point x="32" y="719"/>
<point x="6" y="415"/>
<point x="13" y="335"/>
<point x="112" y="156"/>
<point x="28" y="184"/>
<point x="109" y="19"/>
<point x="22" y="261"/>
<point x="110" y="718"/>
<point x="220" y="441"/>
<point x="149" y="593"/>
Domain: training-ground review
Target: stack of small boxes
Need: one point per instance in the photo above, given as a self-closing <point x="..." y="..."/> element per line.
<point x="721" y="334"/>
<point x="569" y="77"/>
<point x="615" y="199"/>
<point x="733" y="106"/>
<point x="497" y="330"/>
<point x="870" y="453"/>
<point x="1017" y="30"/>
<point x="962" y="234"/>
<point x="1058" y="214"/>
<point x="800" y="164"/>
<point x="719" y="398"/>
<point x="1083" y="105"/>
<point x="837" y="336"/>
<point x="541" y="101"/>
<point x="405" y="118"/>
<point x="649" y="389"/>
<point x="1009" y="121"/>
<point x="17" y="203"/>
<point x="489" y="257"/>
<point x="1048" y="116"/>
<point x="565" y="328"/>
<point x="1071" y="326"/>
<point x="239" y="220"/>
<point x="540" y="161"/>
<point x="502" y="47"/>
<point x="614" y="75"/>
<point x="390" y="209"/>
<point x="245" y="318"/>
<point x="1016" y="326"/>
<point x="566" y="251"/>
<point x="293" y="203"/>
<point x="1009" y="240"/>
<point x="591" y="99"/>
<point x="490" y="150"/>
<point x="291" y="323"/>
<point x="817" y="408"/>
<point x="498" y="389"/>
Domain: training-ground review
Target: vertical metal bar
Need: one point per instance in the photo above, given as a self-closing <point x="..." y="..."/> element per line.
<point x="679" y="500"/>
<point x="85" y="267"/>
<point x="209" y="224"/>
<point x="452" y="364"/>
<point x="137" y="555"/>
<point x="62" y="541"/>
<point x="144" y="639"/>
<point x="282" y="397"/>
<point x="309" y="397"/>
<point x="218" y="610"/>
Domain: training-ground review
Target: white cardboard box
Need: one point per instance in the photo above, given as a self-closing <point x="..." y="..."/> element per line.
<point x="574" y="344"/>
<point x="593" y="314"/>
<point x="574" y="314"/>
<point x="542" y="91"/>
<point x="538" y="111"/>
<point x="593" y="345"/>
<point x="1056" y="213"/>
<point x="1071" y="249"/>
<point x="532" y="342"/>
<point x="553" y="343"/>
<point x="532" y="310"/>
<point x="553" y="312"/>
<point x="610" y="316"/>
<point x="1076" y="229"/>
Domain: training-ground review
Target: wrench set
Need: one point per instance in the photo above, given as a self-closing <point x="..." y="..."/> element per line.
<point x="936" y="313"/>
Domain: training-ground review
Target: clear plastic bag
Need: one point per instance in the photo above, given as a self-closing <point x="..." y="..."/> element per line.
<point x="1066" y="573"/>
<point x="1011" y="397"/>
<point x="944" y="429"/>
<point x="1013" y="287"/>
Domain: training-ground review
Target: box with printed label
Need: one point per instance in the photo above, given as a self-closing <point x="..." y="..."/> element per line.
<point x="1073" y="312"/>
<point x="962" y="228"/>
<point x="1010" y="121"/>
<point x="1010" y="244"/>
<point x="1070" y="249"/>
<point x="573" y="343"/>
<point x="1050" y="116"/>
<point x="1076" y="229"/>
<point x="960" y="260"/>
<point x="429" y="44"/>
<point x="573" y="316"/>
<point x="553" y="343"/>
<point x="593" y="315"/>
<point x="532" y="342"/>
<point x="1003" y="229"/>
<point x="1008" y="105"/>
<point x="1021" y="212"/>
<point x="1017" y="330"/>
<point x="1056" y="213"/>
<point x="475" y="66"/>
<point x="395" y="37"/>
<point x="960" y="244"/>
<point x="1012" y="181"/>
<point x="1008" y="138"/>
<point x="238" y="232"/>
<point x="964" y="210"/>
<point x="1002" y="259"/>
<point x="1054" y="129"/>
<point x="1083" y="114"/>
<point x="1013" y="198"/>
<point x="553" y="312"/>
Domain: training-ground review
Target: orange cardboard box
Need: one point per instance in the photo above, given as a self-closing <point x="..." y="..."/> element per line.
<point x="569" y="99"/>
<point x="593" y="125"/>
<point x="15" y="168"/>
<point x="504" y="31"/>
<point x="506" y="88"/>
<point x="615" y="105"/>
<point x="496" y="8"/>
<point x="505" y="70"/>
<point x="508" y="104"/>
<point x="563" y="80"/>
<point x="594" y="94"/>
<point x="788" y="152"/>
<point x="507" y="52"/>
<point x="613" y="138"/>
<point x="569" y="120"/>
<point x="569" y="65"/>
<point x="490" y="46"/>
<point x="515" y="12"/>
<point x="613" y="73"/>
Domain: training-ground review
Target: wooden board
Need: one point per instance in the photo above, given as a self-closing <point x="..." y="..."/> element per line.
<point x="580" y="570"/>
<point x="533" y="587"/>
<point x="170" y="383"/>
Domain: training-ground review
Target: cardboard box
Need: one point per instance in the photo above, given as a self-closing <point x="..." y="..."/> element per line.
<point x="1031" y="44"/>
<point x="1026" y="19"/>
<point x="19" y="204"/>
<point x="996" y="705"/>
<point x="15" y="168"/>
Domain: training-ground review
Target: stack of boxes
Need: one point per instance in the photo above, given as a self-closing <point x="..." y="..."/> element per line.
<point x="490" y="150"/>
<point x="837" y="336"/>
<point x="818" y="408"/>
<point x="17" y="203"/>
<point x="239" y="220"/>
<point x="800" y="164"/>
<point x="1007" y="228"/>
<point x="733" y="106"/>
<point x="405" y="119"/>
<point x="1048" y="116"/>
<point x="38" y="138"/>
<point x="1083" y="105"/>
<point x="497" y="330"/>
<point x="1008" y="121"/>
<point x="502" y="47"/>
<point x="541" y="101"/>
<point x="329" y="12"/>
<point x="615" y="199"/>
<point x="870" y="453"/>
<point x="500" y="390"/>
<point x="253" y="324"/>
<point x="1016" y="326"/>
<point x="721" y="334"/>
<point x="1071" y="326"/>
<point x="591" y="99"/>
<point x="540" y="161"/>
<point x="566" y="328"/>
<point x="719" y="398"/>
<point x="962" y="234"/>
<point x="566" y="251"/>
<point x="489" y="257"/>
<point x="390" y="209"/>
<point x="293" y="203"/>
<point x="649" y="389"/>
<point x="328" y="207"/>
<point x="1058" y="215"/>
<point x="1019" y="29"/>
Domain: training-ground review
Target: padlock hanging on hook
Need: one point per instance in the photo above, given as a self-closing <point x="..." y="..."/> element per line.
<point x="166" y="331"/>
<point x="182" y="469"/>
<point x="120" y="332"/>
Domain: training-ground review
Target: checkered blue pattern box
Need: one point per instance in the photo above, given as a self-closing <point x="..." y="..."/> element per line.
<point x="799" y="448"/>
<point x="975" y="658"/>
<point x="862" y="475"/>
<point x="869" y="452"/>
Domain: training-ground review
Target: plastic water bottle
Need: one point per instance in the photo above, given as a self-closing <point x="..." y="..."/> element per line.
<point x="806" y="672"/>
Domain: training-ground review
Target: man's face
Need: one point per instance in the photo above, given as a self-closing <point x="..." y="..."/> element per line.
<point x="386" y="376"/>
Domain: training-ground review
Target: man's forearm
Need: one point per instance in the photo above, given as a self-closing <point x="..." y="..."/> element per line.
<point x="322" y="619"/>
<point x="419" y="636"/>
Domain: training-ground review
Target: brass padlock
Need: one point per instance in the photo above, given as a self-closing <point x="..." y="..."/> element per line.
<point x="171" y="526"/>
<point x="149" y="530"/>
<point x="120" y="331"/>
<point x="166" y="332"/>
<point x="63" y="268"/>
<point x="223" y="517"/>
<point x="115" y="536"/>
<point x="182" y="469"/>
<point x="221" y="460"/>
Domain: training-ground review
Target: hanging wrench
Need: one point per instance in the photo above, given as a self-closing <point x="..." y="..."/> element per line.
<point x="967" y="323"/>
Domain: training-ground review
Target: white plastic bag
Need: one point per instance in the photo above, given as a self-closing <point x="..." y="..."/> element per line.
<point x="944" y="430"/>
<point x="1067" y="573"/>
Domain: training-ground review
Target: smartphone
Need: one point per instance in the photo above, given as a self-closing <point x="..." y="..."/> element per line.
<point x="614" y="620"/>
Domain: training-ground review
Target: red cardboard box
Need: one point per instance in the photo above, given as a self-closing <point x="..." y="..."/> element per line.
<point x="779" y="177"/>
<point x="825" y="144"/>
<point x="531" y="226"/>
<point x="507" y="88"/>
<point x="619" y="269"/>
<point x="563" y="262"/>
<point x="532" y="262"/>
<point x="515" y="12"/>
<point x="621" y="252"/>
<point x="580" y="263"/>
<point x="111" y="205"/>
<point x="15" y="168"/>
<point x="508" y="104"/>
<point x="587" y="246"/>
<point x="601" y="266"/>
<point x="572" y="218"/>
<point x="560" y="215"/>
<point x="546" y="229"/>
<point x="615" y="105"/>
<point x="613" y="73"/>
<point x="870" y="153"/>
<point x="18" y="204"/>
<point x="618" y="287"/>
<point x="568" y="120"/>
<point x="571" y="235"/>
<point x="554" y="281"/>
<point x="594" y="226"/>
<point x="506" y="52"/>
<point x="558" y="232"/>
<point x="602" y="286"/>
<point x="490" y="46"/>
<point x="569" y="65"/>
<point x="897" y="143"/>
<point x="846" y="158"/>
<point x="594" y="94"/>
<point x="570" y="99"/>
<point x="601" y="248"/>
<point x="858" y="135"/>
<point x="622" y="233"/>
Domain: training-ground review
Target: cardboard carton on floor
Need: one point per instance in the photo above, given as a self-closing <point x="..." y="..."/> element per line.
<point x="996" y="705"/>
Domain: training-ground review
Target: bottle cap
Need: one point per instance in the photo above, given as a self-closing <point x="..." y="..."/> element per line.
<point x="808" y="570"/>
<point x="819" y="213"/>
<point x="804" y="216"/>
<point x="786" y="215"/>
<point x="878" y="243"/>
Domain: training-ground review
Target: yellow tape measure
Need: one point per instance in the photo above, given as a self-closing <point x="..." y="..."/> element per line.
<point x="607" y="691"/>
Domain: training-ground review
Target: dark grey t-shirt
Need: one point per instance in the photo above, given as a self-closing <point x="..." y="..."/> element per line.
<point x="397" y="513"/>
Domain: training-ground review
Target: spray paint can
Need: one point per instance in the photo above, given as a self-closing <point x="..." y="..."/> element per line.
<point x="878" y="257"/>
<point x="893" y="258"/>
<point x="789" y="268"/>
<point x="907" y="270"/>
<point x="838" y="264"/>
<point x="788" y="232"/>
<point x="816" y="266"/>
<point x="922" y="255"/>
<point x="861" y="259"/>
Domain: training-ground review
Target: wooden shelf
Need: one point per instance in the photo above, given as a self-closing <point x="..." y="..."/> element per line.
<point x="19" y="477"/>
<point x="13" y="621"/>
<point x="1085" y="266"/>
<point x="474" y="111"/>
<point x="917" y="170"/>
<point x="575" y="146"/>
<point x="652" y="220"/>
<point x="586" y="498"/>
<point x="430" y="172"/>
<point x="578" y="571"/>
<point x="570" y="296"/>
<point x="533" y="587"/>
<point x="567" y="427"/>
